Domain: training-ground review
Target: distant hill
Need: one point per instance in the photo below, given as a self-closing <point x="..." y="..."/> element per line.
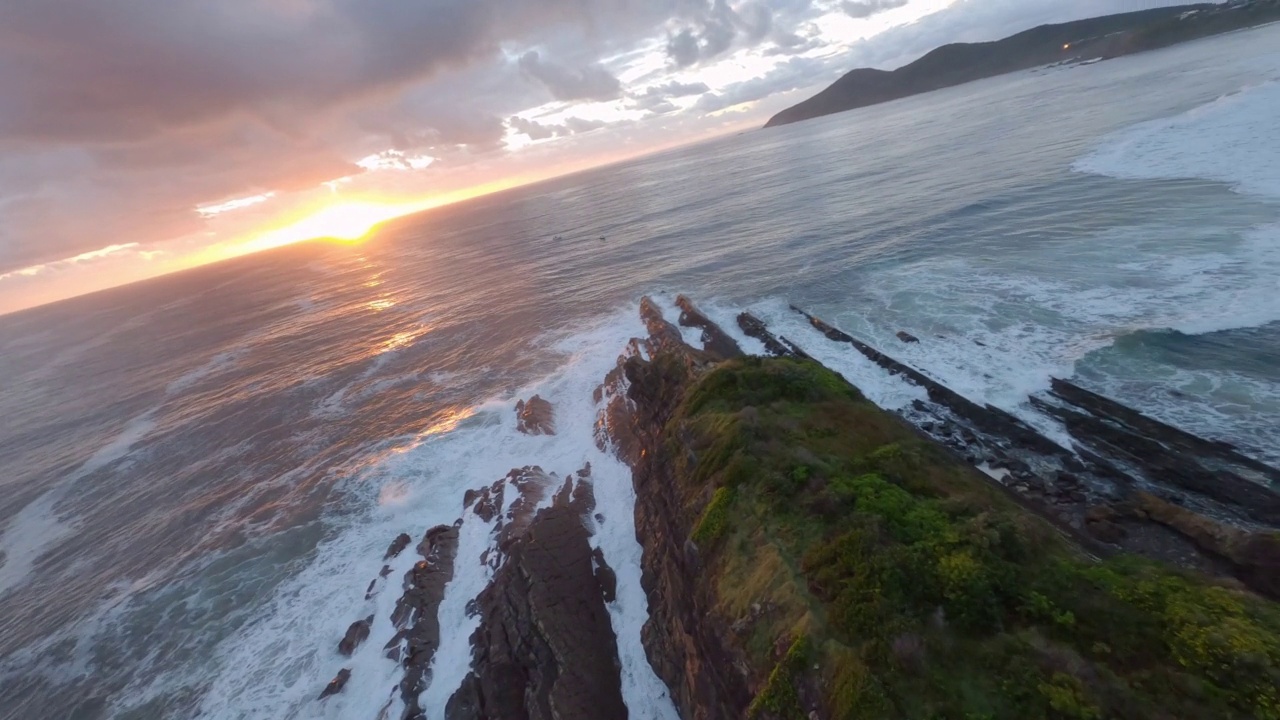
<point x="1102" y="37"/>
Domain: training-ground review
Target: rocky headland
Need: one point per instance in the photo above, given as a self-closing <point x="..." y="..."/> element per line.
<point x="808" y="555"/>
<point x="1081" y="41"/>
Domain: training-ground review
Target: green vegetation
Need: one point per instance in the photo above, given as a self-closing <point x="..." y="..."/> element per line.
<point x="900" y="583"/>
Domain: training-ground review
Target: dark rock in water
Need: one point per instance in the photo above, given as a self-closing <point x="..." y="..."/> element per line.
<point x="356" y="634"/>
<point x="335" y="685"/>
<point x="986" y="418"/>
<point x="416" y="615"/>
<point x="907" y="337"/>
<point x="385" y="571"/>
<point x="545" y="648"/>
<point x="1165" y="454"/>
<point x="714" y="340"/>
<point x="754" y="327"/>
<point x="535" y="417"/>
<point x="368" y="593"/>
<point x="979" y="343"/>
<point x="607" y="577"/>
<point x="397" y="546"/>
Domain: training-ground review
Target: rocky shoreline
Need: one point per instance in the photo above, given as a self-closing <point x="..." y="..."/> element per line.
<point x="746" y="619"/>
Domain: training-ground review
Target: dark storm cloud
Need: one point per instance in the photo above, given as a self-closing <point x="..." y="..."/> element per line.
<point x="592" y="82"/>
<point x="867" y="8"/>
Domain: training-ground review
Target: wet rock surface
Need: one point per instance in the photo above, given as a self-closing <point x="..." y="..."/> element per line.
<point x="336" y="684"/>
<point x="356" y="634"/>
<point x="397" y="546"/>
<point x="416" y="615"/>
<point x="754" y="327"/>
<point x="535" y="417"/>
<point x="545" y="648"/>
<point x="714" y="340"/>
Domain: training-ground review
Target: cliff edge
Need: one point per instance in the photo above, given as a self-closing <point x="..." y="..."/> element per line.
<point x="809" y="555"/>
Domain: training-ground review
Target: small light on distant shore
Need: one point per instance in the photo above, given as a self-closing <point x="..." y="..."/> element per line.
<point x="1067" y="46"/>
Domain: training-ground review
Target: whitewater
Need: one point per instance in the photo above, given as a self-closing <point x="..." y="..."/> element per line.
<point x="205" y="471"/>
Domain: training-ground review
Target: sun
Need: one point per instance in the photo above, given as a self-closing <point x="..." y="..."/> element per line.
<point x="346" y="222"/>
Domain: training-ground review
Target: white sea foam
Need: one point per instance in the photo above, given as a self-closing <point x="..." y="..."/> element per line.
<point x="886" y="390"/>
<point x="217" y="364"/>
<point x="1230" y="140"/>
<point x="276" y="665"/>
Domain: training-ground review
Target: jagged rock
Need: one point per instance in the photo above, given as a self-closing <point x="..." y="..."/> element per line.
<point x="545" y="647"/>
<point x="397" y="546"/>
<point x="714" y="340"/>
<point x="335" y="685"/>
<point x="907" y="337"/>
<point x="606" y="576"/>
<point x="416" y="615"/>
<point x="535" y="417"/>
<point x="356" y="634"/>
<point x="1164" y="454"/>
<point x="686" y="643"/>
<point x="754" y="327"/>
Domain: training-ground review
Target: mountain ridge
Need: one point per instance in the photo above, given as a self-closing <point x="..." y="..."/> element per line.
<point x="1104" y="37"/>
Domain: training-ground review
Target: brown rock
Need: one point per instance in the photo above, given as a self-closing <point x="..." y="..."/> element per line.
<point x="907" y="337"/>
<point x="397" y="546"/>
<point x="535" y="417"/>
<point x="1257" y="559"/>
<point x="335" y="685"/>
<point x="545" y="648"/>
<point x="356" y="634"/>
<point x="714" y="339"/>
<point x="416" y="615"/>
<point x="687" y="643"/>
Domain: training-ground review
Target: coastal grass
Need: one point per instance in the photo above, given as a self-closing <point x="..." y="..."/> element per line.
<point x="879" y="576"/>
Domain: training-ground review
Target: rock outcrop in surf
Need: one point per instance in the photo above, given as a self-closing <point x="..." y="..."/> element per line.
<point x="545" y="648"/>
<point x="807" y="554"/>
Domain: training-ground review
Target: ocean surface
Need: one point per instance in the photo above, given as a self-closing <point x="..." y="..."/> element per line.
<point x="201" y="472"/>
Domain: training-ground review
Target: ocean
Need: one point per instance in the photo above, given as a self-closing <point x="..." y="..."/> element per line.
<point x="201" y="472"/>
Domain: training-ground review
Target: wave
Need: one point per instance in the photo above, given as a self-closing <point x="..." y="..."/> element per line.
<point x="275" y="665"/>
<point x="1230" y="140"/>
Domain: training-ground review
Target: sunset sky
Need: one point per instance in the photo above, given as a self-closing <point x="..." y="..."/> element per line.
<point x="138" y="137"/>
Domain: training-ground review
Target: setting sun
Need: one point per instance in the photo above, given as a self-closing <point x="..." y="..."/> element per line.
<point x="348" y="221"/>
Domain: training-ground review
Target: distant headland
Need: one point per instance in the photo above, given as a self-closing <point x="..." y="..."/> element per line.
<point x="1099" y="38"/>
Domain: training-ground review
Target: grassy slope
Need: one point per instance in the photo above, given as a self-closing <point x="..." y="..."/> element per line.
<point x="879" y="577"/>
